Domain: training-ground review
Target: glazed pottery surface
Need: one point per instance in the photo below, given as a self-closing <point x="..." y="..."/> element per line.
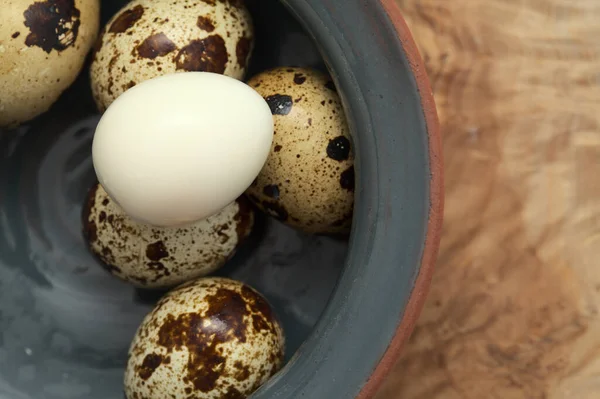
<point x="65" y="324"/>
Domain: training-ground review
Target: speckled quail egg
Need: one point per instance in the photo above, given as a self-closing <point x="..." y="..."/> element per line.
<point x="155" y="257"/>
<point x="43" y="45"/>
<point x="211" y="338"/>
<point x="308" y="180"/>
<point x="149" y="38"/>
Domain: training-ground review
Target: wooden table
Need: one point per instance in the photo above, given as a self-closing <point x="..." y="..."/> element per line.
<point x="513" y="309"/>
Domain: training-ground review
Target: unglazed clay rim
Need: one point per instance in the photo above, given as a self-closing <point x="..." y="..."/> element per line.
<point x="436" y="207"/>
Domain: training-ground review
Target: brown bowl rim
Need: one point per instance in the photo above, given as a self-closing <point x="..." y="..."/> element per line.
<point x="434" y="224"/>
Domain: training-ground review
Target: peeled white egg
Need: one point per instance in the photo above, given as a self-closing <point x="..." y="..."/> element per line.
<point x="179" y="148"/>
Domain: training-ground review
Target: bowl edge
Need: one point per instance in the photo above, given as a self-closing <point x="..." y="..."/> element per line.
<point x="436" y="205"/>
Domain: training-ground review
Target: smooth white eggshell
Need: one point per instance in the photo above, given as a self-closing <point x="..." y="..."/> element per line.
<point x="178" y="148"/>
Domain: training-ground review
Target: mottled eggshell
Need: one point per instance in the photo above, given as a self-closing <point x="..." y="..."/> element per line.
<point x="43" y="45"/>
<point x="150" y="38"/>
<point x="212" y="338"/>
<point x="308" y="180"/>
<point x="155" y="257"/>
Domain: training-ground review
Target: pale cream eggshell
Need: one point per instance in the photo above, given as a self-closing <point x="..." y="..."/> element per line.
<point x="43" y="46"/>
<point x="150" y="38"/>
<point x="155" y="257"/>
<point x="308" y="179"/>
<point x="212" y="338"/>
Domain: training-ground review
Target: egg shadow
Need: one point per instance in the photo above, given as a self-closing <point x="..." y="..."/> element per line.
<point x="149" y="297"/>
<point x="280" y="39"/>
<point x="248" y="247"/>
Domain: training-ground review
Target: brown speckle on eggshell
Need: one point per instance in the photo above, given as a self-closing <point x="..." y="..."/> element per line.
<point x="147" y="39"/>
<point x="154" y="257"/>
<point x="43" y="45"/>
<point x="210" y="338"/>
<point x="156" y="45"/>
<point x="205" y="23"/>
<point x="207" y="55"/>
<point x="308" y="179"/>
<point x="126" y="19"/>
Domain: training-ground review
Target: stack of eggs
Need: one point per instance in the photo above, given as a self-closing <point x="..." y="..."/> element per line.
<point x="184" y="153"/>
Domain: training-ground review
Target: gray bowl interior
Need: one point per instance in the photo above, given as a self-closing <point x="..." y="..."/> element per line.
<point x="65" y="324"/>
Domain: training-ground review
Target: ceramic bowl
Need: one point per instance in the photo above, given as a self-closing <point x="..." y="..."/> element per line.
<point x="347" y="308"/>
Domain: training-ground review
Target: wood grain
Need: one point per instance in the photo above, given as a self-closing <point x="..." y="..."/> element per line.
<point x="514" y="306"/>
